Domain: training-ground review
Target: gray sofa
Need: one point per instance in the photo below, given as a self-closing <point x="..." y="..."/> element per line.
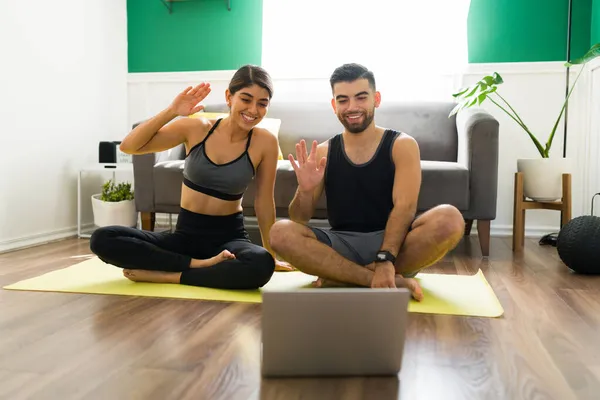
<point x="459" y="158"/>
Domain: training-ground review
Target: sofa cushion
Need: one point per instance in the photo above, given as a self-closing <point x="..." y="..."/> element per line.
<point x="308" y="121"/>
<point x="168" y="176"/>
<point x="427" y="122"/>
<point x="285" y="189"/>
<point x="443" y="183"/>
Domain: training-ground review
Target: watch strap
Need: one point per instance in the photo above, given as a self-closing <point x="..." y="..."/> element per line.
<point x="384" y="256"/>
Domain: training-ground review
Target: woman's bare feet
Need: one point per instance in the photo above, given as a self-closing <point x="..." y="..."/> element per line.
<point x="222" y="256"/>
<point x="284" y="266"/>
<point x="141" y="275"/>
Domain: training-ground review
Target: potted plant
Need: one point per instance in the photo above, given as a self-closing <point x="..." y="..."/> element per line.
<point x="115" y="205"/>
<point x="542" y="177"/>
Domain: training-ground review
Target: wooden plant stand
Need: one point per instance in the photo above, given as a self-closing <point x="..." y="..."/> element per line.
<point x="521" y="204"/>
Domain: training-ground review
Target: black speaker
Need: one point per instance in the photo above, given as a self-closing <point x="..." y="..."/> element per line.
<point x="107" y="152"/>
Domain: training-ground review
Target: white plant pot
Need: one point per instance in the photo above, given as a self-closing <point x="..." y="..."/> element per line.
<point x="542" y="177"/>
<point x="108" y="213"/>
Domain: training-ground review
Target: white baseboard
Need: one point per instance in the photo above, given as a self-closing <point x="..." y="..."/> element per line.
<point x="507" y="231"/>
<point x="39" y="238"/>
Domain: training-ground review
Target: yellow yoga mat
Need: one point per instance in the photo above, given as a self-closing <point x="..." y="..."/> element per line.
<point x="468" y="295"/>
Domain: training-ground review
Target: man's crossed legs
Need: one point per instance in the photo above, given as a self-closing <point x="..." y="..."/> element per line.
<point x="430" y="237"/>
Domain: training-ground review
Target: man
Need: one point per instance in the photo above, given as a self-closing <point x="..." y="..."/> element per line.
<point x="371" y="177"/>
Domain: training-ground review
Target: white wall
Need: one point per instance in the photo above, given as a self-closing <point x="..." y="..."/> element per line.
<point x="592" y="144"/>
<point x="535" y="90"/>
<point x="63" y="80"/>
<point x="64" y="87"/>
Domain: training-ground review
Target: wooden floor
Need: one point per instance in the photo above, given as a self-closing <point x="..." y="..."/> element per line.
<point x="70" y="346"/>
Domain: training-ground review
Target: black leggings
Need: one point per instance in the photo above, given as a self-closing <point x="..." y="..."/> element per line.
<point x="196" y="236"/>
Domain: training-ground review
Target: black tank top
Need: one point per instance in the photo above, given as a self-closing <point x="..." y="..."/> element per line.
<point x="359" y="196"/>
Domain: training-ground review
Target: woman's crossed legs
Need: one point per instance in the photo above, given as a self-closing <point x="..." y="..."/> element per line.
<point x="197" y="260"/>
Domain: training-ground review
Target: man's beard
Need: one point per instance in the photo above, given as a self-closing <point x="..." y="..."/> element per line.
<point x="357" y="127"/>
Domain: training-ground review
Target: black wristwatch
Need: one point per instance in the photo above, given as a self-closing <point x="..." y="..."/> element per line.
<point x="384" y="255"/>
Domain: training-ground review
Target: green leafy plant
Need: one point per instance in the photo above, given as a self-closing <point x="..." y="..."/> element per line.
<point x="116" y="192"/>
<point x="487" y="89"/>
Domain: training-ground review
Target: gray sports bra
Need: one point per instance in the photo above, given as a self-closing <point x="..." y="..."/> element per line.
<point x="226" y="181"/>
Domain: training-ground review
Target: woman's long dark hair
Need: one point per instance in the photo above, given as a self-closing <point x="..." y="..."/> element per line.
<point x="249" y="75"/>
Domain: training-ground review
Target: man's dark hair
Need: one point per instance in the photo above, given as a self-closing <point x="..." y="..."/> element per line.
<point x="350" y="73"/>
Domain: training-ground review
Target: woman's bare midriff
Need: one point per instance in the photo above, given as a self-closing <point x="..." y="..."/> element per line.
<point x="201" y="203"/>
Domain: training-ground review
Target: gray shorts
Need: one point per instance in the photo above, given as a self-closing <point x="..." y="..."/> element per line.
<point x="358" y="247"/>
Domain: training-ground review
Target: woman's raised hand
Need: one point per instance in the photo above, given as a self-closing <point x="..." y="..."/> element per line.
<point x="186" y="102"/>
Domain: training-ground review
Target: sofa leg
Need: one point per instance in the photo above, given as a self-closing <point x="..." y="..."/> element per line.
<point x="468" y="226"/>
<point x="148" y="220"/>
<point x="483" y="232"/>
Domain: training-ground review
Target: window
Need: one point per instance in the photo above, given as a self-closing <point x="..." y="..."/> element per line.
<point x="412" y="47"/>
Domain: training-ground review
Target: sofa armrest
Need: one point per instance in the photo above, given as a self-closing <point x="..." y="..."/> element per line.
<point x="143" y="178"/>
<point x="478" y="133"/>
<point x="143" y="174"/>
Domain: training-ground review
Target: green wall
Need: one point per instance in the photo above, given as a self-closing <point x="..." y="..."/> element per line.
<point x="595" y="31"/>
<point x="203" y="35"/>
<point x="199" y="35"/>
<point x="526" y="30"/>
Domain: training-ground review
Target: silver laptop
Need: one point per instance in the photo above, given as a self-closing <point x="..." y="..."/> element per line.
<point x="333" y="332"/>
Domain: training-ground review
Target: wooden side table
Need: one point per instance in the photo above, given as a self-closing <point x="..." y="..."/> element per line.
<point x="521" y="204"/>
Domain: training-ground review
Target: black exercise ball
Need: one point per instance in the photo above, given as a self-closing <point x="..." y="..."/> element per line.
<point x="578" y="244"/>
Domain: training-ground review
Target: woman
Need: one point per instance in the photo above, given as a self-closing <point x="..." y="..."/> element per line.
<point x="210" y="246"/>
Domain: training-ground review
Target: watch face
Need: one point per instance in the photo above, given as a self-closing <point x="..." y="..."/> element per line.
<point x="381" y="256"/>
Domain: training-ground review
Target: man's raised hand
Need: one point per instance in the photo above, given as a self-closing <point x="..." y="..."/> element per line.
<point x="309" y="171"/>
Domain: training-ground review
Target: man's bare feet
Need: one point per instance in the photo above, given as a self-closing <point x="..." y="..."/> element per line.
<point x="141" y="275"/>
<point x="222" y="256"/>
<point x="410" y="283"/>
<point x="328" y="283"/>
